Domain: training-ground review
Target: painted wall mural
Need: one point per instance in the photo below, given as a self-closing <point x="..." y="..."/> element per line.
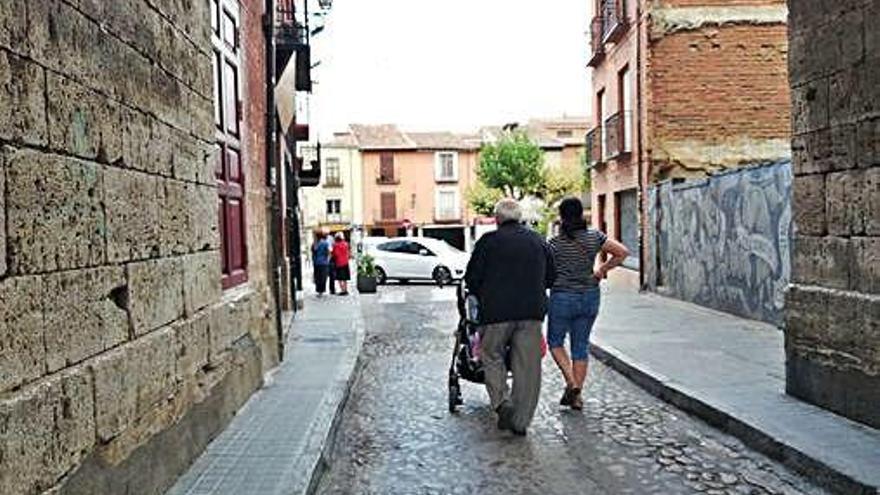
<point x="724" y="242"/>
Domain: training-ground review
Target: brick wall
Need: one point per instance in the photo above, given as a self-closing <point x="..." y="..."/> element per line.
<point x="718" y="93"/>
<point x="113" y="327"/>
<point x="833" y="307"/>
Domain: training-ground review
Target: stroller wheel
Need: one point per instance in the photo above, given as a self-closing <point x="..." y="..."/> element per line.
<point x="454" y="398"/>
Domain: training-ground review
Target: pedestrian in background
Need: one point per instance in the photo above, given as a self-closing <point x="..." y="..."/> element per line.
<point x="574" y="295"/>
<point x="509" y="272"/>
<point x="331" y="271"/>
<point x="341" y="255"/>
<point x="321" y="262"/>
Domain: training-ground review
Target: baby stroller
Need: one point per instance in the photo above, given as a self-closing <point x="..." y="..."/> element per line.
<point x="465" y="354"/>
<point x="466" y="363"/>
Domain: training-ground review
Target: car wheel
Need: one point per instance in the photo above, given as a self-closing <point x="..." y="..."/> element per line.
<point x="381" y="277"/>
<point x="442" y="276"/>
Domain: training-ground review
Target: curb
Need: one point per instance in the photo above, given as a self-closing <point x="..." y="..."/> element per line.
<point x="775" y="448"/>
<point x="322" y="434"/>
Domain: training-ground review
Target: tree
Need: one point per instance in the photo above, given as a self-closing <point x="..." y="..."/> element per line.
<point x="558" y="184"/>
<point x="512" y="165"/>
<point x="482" y="199"/>
<point x="561" y="182"/>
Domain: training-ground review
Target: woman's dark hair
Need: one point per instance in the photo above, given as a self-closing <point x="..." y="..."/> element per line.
<point x="571" y="214"/>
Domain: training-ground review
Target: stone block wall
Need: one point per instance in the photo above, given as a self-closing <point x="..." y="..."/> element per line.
<point x="723" y="242"/>
<point x="833" y="306"/>
<point x="117" y="344"/>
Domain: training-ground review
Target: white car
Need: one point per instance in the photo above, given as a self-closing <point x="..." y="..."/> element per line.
<point x="417" y="258"/>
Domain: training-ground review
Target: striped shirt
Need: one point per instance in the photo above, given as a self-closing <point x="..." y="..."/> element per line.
<point x="575" y="259"/>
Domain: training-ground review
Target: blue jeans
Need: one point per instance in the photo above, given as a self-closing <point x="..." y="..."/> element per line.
<point x="572" y="313"/>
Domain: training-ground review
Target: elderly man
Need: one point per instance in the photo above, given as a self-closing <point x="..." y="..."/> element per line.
<point x="509" y="272"/>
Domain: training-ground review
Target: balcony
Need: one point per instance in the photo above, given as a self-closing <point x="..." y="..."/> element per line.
<point x="383" y="216"/>
<point x="387" y="179"/>
<point x="594" y="147"/>
<point x="597" y="52"/>
<point x="607" y="27"/>
<point x="618" y="134"/>
<point x="332" y="182"/>
<point x="336" y="219"/>
<point x="292" y="37"/>
<point x="614" y="23"/>
<point x="447" y="215"/>
<point x="307" y="177"/>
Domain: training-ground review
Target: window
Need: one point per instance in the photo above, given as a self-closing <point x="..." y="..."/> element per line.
<point x="230" y="170"/>
<point x="566" y="133"/>
<point x="446" y="166"/>
<point x="334" y="206"/>
<point x="394" y="247"/>
<point x="625" y="105"/>
<point x="331" y="177"/>
<point x="447" y="205"/>
<point x="386" y="168"/>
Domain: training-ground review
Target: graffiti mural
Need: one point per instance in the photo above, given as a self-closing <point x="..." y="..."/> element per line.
<point x="724" y="242"/>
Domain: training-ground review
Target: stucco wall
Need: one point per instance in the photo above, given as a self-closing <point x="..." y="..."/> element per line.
<point x="724" y="242"/>
<point x="415" y="192"/>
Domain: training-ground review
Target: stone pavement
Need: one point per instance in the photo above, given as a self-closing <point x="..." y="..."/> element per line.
<point x="277" y="442"/>
<point x="731" y="372"/>
<point x="397" y="437"/>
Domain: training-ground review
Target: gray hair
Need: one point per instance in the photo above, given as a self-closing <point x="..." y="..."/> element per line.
<point x="507" y="210"/>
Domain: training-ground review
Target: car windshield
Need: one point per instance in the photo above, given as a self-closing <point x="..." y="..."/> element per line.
<point x="444" y="246"/>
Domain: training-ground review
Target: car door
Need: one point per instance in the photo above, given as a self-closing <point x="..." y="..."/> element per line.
<point x="409" y="259"/>
<point x="424" y="260"/>
<point x="389" y="257"/>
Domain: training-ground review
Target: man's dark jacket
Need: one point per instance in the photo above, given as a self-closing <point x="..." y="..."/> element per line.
<point x="509" y="271"/>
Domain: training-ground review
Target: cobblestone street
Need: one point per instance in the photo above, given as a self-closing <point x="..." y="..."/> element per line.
<point x="397" y="437"/>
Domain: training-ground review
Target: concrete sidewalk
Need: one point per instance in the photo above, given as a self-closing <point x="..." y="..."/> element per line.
<point x="731" y="372"/>
<point x="278" y="443"/>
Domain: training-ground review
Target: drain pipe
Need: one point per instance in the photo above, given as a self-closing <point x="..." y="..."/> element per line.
<point x="639" y="133"/>
<point x="273" y="177"/>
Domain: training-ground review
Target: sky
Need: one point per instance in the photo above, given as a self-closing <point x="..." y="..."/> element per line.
<point x="448" y="64"/>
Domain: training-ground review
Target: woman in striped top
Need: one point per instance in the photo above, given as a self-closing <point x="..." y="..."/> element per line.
<point x="574" y="296"/>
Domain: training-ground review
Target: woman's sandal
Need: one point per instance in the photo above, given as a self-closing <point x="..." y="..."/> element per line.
<point x="566" y="397"/>
<point x="577" y="402"/>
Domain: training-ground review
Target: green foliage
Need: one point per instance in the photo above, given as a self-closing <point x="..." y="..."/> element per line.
<point x="366" y="266"/>
<point x="482" y="199"/>
<point x="559" y="183"/>
<point x="512" y="165"/>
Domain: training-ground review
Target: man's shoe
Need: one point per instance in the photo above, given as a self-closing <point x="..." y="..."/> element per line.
<point x="577" y="402"/>
<point x="566" y="397"/>
<point x="505" y="417"/>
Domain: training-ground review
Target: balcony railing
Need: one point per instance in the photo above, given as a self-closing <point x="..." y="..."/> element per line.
<point x="618" y="134"/>
<point x="608" y="26"/>
<point x="447" y="214"/>
<point x="614" y="20"/>
<point x="337" y="218"/>
<point x="594" y="147"/>
<point x="380" y="215"/>
<point x="292" y="36"/>
<point x="387" y="177"/>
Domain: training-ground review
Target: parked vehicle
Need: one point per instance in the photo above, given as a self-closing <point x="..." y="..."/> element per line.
<point x="417" y="258"/>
